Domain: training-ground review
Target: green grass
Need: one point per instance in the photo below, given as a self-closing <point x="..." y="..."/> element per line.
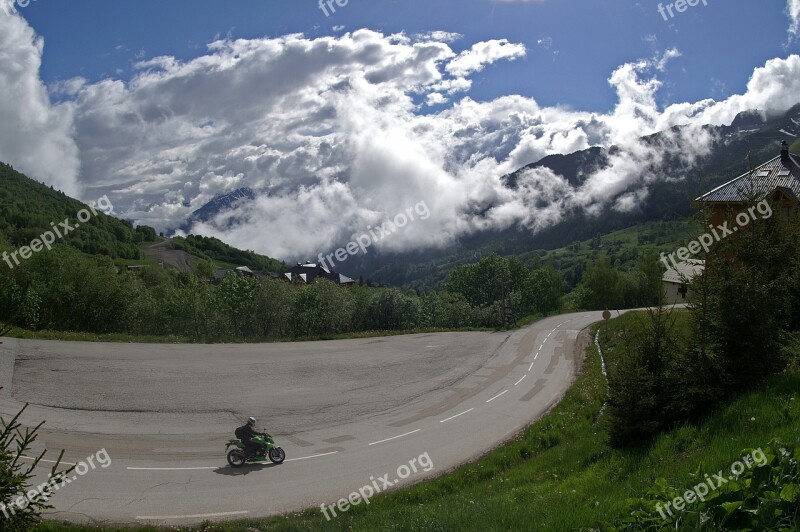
<point x="795" y="148"/>
<point x="560" y="474"/>
<point x="67" y="336"/>
<point x="626" y="245"/>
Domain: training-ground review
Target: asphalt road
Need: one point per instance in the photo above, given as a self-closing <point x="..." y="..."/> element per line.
<point x="346" y="412"/>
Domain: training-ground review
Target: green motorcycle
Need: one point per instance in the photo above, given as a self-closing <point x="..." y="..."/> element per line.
<point x="267" y="449"/>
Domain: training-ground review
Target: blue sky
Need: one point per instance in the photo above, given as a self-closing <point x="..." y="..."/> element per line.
<point x="338" y="122"/>
<point x="720" y="43"/>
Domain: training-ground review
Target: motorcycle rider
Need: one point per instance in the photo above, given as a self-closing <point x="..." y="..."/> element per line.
<point x="246" y="433"/>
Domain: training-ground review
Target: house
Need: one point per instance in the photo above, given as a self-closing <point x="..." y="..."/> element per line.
<point x="307" y="273"/>
<point x="677" y="280"/>
<point x="777" y="180"/>
<point x="220" y="274"/>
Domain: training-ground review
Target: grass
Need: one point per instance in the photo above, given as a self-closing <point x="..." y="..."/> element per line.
<point x="559" y="474"/>
<point x="795" y="147"/>
<point x="67" y="336"/>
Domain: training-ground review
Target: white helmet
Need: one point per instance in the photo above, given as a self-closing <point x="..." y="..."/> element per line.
<point x="251" y="421"/>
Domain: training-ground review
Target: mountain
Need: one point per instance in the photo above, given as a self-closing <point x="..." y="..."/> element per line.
<point x="750" y="133"/>
<point x="218" y="205"/>
<point x="668" y="199"/>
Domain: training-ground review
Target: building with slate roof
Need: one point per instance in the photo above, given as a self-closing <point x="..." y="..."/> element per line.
<point x="777" y="180"/>
<point x="308" y="272"/>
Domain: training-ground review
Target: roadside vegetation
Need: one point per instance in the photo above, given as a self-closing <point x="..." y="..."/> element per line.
<point x="51" y="293"/>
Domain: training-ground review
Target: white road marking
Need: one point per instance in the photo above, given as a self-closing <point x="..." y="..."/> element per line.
<point x="171" y="468"/>
<point x="209" y="468"/>
<point x="48" y="461"/>
<point x="196" y="516"/>
<point x="395" y="437"/>
<point x="455" y="416"/>
<point x="522" y="379"/>
<point x="496" y="396"/>
<point x="312" y="456"/>
<point x="531" y="366"/>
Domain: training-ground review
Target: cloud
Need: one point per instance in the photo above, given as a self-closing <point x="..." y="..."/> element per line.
<point x="337" y="134"/>
<point x="482" y="54"/>
<point x="793" y="10"/>
<point x="35" y="136"/>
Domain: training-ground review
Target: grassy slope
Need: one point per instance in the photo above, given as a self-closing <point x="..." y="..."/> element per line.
<point x="27" y="208"/>
<point x="559" y="474"/>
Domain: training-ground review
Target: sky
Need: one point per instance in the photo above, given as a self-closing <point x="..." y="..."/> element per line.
<point x="341" y="116"/>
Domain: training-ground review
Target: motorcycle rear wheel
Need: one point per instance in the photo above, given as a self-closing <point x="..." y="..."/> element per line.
<point x="236" y="458"/>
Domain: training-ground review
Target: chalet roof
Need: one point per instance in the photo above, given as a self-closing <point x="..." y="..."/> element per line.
<point x="685" y="271"/>
<point x="758" y="184"/>
<point x="309" y="271"/>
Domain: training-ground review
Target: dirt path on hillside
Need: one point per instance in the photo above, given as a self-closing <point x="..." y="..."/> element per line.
<point x="162" y="251"/>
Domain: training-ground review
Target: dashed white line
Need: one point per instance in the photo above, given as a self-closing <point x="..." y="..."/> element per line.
<point x="217" y="467"/>
<point x="522" y="379"/>
<point x="196" y="516"/>
<point x="496" y="396"/>
<point x="48" y="461"/>
<point x="171" y="468"/>
<point x="530" y="367"/>
<point x="312" y="456"/>
<point x="394" y="437"/>
<point x="455" y="416"/>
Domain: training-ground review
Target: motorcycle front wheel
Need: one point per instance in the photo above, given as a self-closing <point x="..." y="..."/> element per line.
<point x="277" y="455"/>
<point x="236" y="458"/>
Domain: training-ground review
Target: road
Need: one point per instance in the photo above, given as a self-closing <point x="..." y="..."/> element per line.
<point x="346" y="412"/>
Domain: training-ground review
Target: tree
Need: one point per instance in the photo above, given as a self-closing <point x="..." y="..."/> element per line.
<point x="649" y="277"/>
<point x="603" y="286"/>
<point x="206" y="269"/>
<point x="18" y="511"/>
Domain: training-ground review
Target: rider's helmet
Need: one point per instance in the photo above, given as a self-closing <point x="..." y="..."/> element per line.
<point x="251" y="421"/>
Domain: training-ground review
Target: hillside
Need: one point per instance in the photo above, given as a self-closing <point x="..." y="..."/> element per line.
<point x="28" y="208"/>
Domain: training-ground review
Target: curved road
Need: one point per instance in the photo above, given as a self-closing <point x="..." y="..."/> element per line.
<point x="346" y="412"/>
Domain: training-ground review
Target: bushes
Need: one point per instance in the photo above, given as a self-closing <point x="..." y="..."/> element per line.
<point x="64" y="290"/>
<point x="764" y="497"/>
<point x="645" y="379"/>
<point x="743" y="312"/>
<point x="488" y="284"/>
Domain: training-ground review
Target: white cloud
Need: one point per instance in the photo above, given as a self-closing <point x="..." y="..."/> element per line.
<point x="793" y="10"/>
<point x="482" y="54"/>
<point x="35" y="136"/>
<point x="334" y="134"/>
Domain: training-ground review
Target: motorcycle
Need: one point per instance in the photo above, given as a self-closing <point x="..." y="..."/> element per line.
<point x="267" y="449"/>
